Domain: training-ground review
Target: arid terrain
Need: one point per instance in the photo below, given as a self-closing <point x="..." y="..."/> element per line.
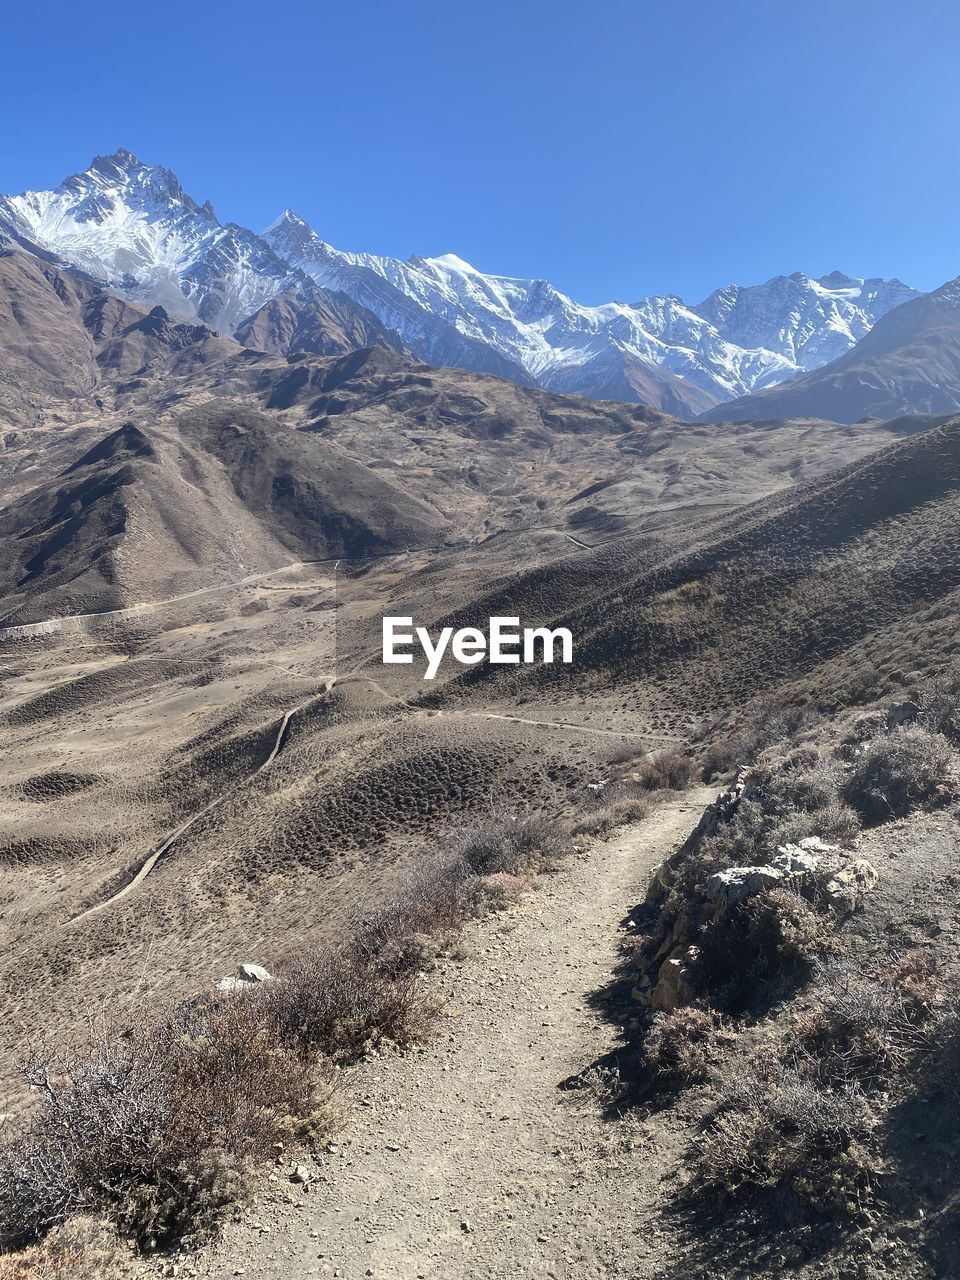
<point x="207" y="764"/>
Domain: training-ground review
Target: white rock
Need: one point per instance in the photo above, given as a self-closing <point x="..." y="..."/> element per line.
<point x="736" y="884"/>
<point x="253" y="973"/>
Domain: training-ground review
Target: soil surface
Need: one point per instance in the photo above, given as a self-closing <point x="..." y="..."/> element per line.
<point x="466" y="1159"/>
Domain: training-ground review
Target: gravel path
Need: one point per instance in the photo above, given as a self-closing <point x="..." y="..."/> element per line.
<point x="465" y="1161"/>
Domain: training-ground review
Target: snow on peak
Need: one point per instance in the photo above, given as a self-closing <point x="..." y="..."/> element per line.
<point x="450" y="262"/>
<point x="133" y="227"/>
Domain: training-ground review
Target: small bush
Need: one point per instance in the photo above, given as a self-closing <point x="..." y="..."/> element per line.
<point x="915" y="977"/>
<point x="85" y="1248"/>
<point x="158" y="1128"/>
<point x="784" y="1138"/>
<point x="498" y="892"/>
<point x="864" y="1029"/>
<point x="765" y="945"/>
<point x="342" y="1003"/>
<point x="898" y="772"/>
<point x="506" y="843"/>
<point x="669" y="771"/>
<point x="722" y="756"/>
<point x="616" y="806"/>
<point x="681" y="1047"/>
<point x="940" y="707"/>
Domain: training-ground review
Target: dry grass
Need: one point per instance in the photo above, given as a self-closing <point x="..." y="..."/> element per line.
<point x="668" y="771"/>
<point x="682" y="1047"/>
<point x="782" y="1139"/>
<point x="159" y="1126"/>
<point x="85" y="1248"/>
<point x="506" y="843"/>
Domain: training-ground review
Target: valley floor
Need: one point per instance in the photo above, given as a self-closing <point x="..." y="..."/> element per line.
<point x="466" y="1159"/>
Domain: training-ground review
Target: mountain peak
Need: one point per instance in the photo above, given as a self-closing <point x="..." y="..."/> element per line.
<point x="121" y="159"/>
<point x="288" y="220"/>
<point x="450" y="262"/>
<point x="838" y="280"/>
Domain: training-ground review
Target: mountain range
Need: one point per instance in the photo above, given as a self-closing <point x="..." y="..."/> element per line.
<point x="132" y="229"/>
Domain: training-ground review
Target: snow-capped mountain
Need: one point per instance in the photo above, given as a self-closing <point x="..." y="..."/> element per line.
<point x="737" y="338"/>
<point x="133" y="228"/>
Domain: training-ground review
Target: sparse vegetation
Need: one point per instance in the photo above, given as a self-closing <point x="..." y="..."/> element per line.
<point x="505" y="843"/>
<point x="159" y="1125"/>
<point x="784" y="1138"/>
<point x="770" y="721"/>
<point x="668" y="771"/>
<point x="85" y="1248"/>
<point x="681" y="1047"/>
<point x="898" y="772"/>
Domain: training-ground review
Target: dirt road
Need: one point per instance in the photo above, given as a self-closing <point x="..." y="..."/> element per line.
<point x="465" y="1161"/>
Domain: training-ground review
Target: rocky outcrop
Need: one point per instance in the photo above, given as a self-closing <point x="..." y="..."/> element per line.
<point x="823" y="873"/>
<point x="245" y="977"/>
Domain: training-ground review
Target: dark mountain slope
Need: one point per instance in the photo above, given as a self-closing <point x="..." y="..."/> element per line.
<point x="758" y="599"/>
<point x="223" y="493"/>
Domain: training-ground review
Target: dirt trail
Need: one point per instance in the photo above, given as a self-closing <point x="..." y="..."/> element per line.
<point x="152" y="859"/>
<point x="465" y="1161"/>
<point x="623" y="735"/>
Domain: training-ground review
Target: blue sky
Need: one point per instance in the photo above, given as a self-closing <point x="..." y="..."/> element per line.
<point x="617" y="148"/>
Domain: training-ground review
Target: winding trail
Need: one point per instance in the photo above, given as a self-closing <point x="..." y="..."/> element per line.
<point x="465" y="1161"/>
<point x="152" y="859"/>
<point x="80" y="621"/>
<point x="482" y="714"/>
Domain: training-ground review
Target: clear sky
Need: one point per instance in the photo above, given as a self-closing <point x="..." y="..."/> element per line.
<point x="615" y="147"/>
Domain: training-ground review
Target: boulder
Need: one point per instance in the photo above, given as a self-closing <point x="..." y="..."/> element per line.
<point x="736" y="884"/>
<point x="899" y="713"/>
<point x="847" y="889"/>
<point x="674" y="982"/>
<point x="245" y="977"/>
<point x="795" y="860"/>
<point x="253" y="973"/>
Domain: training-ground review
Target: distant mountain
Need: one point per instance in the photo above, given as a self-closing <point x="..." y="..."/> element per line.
<point x="737" y="339"/>
<point x="908" y="363"/>
<point x="133" y="229"/>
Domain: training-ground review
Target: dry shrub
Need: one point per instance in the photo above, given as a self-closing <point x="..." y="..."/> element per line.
<point x="616" y="806"/>
<point x="668" y="771"/>
<point x="505" y="843"/>
<point x="898" y="772"/>
<point x="768" y="722"/>
<point x="723" y="756"/>
<point x="785" y="932"/>
<point x="763" y="946"/>
<point x="785" y="1139"/>
<point x="433" y="898"/>
<point x="342" y="1003"/>
<point x="682" y="1046"/>
<point x="498" y="892"/>
<point x="157" y="1128"/>
<point x="85" y="1248"/>
<point x="862" y="1029"/>
<point x="939" y="700"/>
<point x="915" y="977"/>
